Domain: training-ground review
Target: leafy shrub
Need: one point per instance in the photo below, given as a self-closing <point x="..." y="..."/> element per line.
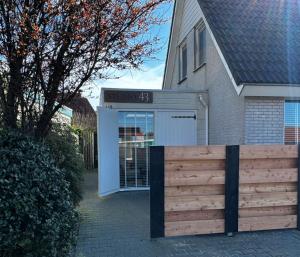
<point x="37" y="216"/>
<point x="65" y="150"/>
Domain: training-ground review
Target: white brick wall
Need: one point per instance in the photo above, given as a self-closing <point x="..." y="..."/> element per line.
<point x="264" y="121"/>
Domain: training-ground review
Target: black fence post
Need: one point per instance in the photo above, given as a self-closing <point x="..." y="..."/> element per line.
<point x="298" y="189"/>
<point x="232" y="189"/>
<point x="157" y="191"/>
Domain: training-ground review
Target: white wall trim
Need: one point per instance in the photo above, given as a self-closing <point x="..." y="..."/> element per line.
<point x="290" y="91"/>
<point x="173" y="43"/>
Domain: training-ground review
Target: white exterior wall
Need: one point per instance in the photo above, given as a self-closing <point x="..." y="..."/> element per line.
<point x="190" y="17"/>
<point x="226" y="108"/>
<point x="264" y="120"/>
<point x="171" y="100"/>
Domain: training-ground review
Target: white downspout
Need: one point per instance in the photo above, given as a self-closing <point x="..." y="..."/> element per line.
<point x="205" y="105"/>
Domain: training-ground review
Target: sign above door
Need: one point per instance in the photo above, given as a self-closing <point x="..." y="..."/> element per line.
<point x="117" y="96"/>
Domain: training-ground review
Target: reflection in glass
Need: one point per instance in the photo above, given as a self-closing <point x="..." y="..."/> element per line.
<point x="136" y="134"/>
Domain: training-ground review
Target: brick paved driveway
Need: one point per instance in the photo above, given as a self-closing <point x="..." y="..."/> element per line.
<point x="118" y="226"/>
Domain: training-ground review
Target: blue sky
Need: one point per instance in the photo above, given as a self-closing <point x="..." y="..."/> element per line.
<point x="149" y="76"/>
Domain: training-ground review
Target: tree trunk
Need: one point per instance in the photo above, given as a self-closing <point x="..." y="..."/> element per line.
<point x="10" y="115"/>
<point x="44" y="124"/>
<point x="10" y="111"/>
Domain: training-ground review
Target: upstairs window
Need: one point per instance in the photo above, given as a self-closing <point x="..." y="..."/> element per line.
<point x="292" y="122"/>
<point x="200" y="45"/>
<point x="182" y="61"/>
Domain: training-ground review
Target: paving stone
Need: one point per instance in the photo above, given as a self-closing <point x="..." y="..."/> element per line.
<point x="118" y="226"/>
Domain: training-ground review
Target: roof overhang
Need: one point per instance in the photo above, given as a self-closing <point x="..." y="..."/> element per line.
<point x="271" y="90"/>
<point x="173" y="41"/>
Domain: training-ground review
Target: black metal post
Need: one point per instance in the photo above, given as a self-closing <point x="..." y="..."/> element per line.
<point x="232" y="189"/>
<point x="157" y="191"/>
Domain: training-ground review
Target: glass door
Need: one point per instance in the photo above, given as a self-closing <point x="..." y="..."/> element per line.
<point x="136" y="134"/>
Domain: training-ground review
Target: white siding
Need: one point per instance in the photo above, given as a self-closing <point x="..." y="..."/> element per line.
<point x="226" y="108"/>
<point x="191" y="16"/>
<point x="170" y="100"/>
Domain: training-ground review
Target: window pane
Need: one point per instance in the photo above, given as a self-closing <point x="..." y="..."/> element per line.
<point x="202" y="41"/>
<point x="122" y="148"/>
<point x="184" y="62"/>
<point x="292" y="122"/>
<point x="130" y="156"/>
<point x="136" y="134"/>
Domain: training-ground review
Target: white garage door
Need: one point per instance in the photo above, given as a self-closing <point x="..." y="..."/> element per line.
<point x="176" y="128"/>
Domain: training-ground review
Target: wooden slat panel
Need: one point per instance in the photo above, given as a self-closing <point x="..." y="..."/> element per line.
<point x="268" y="151"/>
<point x="194" y="227"/>
<point x="195" y="165"/>
<point x="194" y="215"/>
<point x="290" y="135"/>
<point x="268" y="164"/>
<point x="266" y="223"/>
<point x="267" y="188"/>
<point x="268" y="175"/>
<point x="268" y="211"/>
<point x="192" y="178"/>
<point x="195" y="153"/>
<point x="195" y="190"/>
<point x="194" y="203"/>
<point x="267" y="199"/>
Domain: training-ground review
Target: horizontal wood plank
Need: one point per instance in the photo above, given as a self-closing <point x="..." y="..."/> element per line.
<point x="267" y="223"/>
<point x="267" y="187"/>
<point x="268" y="175"/>
<point x="267" y="199"/>
<point x="194" y="215"/>
<point x="192" y="178"/>
<point x="194" y="165"/>
<point x="195" y="190"/>
<point x="268" y="151"/>
<point x="268" y="164"/>
<point x="194" y="203"/>
<point x="268" y="211"/>
<point x="195" y="153"/>
<point x="194" y="227"/>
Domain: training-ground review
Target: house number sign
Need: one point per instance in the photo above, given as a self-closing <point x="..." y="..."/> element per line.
<point x="113" y="96"/>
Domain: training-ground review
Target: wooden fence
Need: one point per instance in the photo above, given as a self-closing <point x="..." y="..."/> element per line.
<point x="223" y="189"/>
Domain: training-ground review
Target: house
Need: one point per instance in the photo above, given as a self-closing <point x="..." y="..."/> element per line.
<point x="232" y="76"/>
<point x="246" y="54"/>
<point x="64" y="116"/>
<point x="84" y="119"/>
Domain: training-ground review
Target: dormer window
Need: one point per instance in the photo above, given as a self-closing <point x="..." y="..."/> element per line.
<point x="182" y="61"/>
<point x="200" y="45"/>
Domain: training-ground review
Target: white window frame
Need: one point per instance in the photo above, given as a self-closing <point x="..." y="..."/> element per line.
<point x="296" y="123"/>
<point x="181" y="47"/>
<point x="199" y="61"/>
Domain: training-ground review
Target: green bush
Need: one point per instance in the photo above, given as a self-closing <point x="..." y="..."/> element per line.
<point x="37" y="216"/>
<point x="65" y="150"/>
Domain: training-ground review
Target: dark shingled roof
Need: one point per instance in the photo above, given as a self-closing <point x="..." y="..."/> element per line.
<point x="260" y="39"/>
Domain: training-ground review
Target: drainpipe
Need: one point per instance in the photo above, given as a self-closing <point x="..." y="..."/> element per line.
<point x="205" y="105"/>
